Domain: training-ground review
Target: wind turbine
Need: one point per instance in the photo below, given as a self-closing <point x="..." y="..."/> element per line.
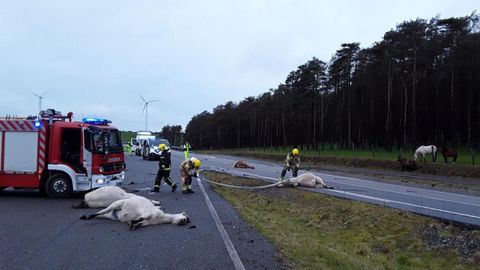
<point x="145" y="109"/>
<point x="40" y="97"/>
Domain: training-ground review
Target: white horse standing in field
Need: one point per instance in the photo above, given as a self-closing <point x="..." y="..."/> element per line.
<point x="424" y="150"/>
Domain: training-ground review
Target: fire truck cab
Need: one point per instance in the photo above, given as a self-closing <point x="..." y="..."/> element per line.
<point x="58" y="156"/>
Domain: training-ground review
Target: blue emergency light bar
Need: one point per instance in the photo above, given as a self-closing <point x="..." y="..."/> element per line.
<point x="96" y="121"/>
<point x="37" y="123"/>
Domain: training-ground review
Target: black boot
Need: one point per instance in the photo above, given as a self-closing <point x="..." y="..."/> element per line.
<point x="174" y="187"/>
<point x="190" y="191"/>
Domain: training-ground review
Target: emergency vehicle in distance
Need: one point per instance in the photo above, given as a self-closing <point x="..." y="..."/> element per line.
<point x="58" y="156"/>
<point x="137" y="142"/>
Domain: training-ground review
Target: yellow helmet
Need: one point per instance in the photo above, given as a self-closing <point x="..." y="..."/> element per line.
<point x="295" y="152"/>
<point x="162" y="146"/>
<point x="196" y="163"/>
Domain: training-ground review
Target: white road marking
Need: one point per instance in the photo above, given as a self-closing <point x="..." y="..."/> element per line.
<point x="391" y="201"/>
<point x="336" y="177"/>
<point x="398" y="202"/>
<point x="356" y="179"/>
<point x="414" y="195"/>
<point x="226" y="239"/>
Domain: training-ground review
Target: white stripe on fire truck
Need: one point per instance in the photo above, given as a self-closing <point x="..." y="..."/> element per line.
<point x="24" y="125"/>
<point x="10" y="125"/>
<point x="30" y="125"/>
<point x="3" y="126"/>
<point x="41" y="149"/>
<point x="18" y="125"/>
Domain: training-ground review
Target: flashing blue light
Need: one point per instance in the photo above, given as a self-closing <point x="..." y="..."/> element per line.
<point x="96" y="121"/>
<point x="37" y="124"/>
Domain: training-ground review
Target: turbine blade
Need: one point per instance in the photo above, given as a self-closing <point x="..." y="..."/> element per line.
<point x="144" y="107"/>
<point x="44" y="93"/>
<point x="142" y="98"/>
<point x="35" y="94"/>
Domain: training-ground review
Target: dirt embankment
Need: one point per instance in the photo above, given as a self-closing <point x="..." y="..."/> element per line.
<point x="424" y="168"/>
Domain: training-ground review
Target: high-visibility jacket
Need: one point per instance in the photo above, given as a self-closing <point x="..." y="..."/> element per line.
<point x="187" y="168"/>
<point x="292" y="161"/>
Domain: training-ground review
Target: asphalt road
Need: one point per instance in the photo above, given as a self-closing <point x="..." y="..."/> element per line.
<point x="445" y="205"/>
<point x="42" y="233"/>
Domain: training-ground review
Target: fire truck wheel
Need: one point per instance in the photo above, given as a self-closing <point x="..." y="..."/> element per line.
<point x="58" y="185"/>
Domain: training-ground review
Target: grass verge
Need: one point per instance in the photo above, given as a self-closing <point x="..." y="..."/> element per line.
<point x="316" y="231"/>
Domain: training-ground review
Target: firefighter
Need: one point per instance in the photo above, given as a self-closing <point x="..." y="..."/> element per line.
<point x="128" y="148"/>
<point x="164" y="168"/>
<point x="186" y="148"/>
<point x="292" y="162"/>
<point x="188" y="169"/>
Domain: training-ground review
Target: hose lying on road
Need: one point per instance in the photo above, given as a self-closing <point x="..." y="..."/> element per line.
<point x="244" y="187"/>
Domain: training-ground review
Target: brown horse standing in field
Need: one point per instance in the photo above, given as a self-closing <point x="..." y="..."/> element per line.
<point x="449" y="152"/>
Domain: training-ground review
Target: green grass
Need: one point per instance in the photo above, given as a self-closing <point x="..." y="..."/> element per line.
<point x="315" y="231"/>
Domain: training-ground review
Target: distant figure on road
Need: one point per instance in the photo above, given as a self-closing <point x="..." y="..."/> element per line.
<point x="292" y="162"/>
<point x="186" y="149"/>
<point x="188" y="169"/>
<point x="164" y="168"/>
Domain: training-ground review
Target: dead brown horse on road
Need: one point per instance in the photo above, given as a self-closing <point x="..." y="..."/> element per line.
<point x="449" y="152"/>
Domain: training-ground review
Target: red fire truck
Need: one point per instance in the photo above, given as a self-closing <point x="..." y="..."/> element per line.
<point x="59" y="156"/>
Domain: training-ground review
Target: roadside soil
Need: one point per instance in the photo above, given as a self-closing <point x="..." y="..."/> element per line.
<point x="435" y="235"/>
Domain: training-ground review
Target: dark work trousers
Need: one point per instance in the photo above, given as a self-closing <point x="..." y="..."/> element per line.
<point x="165" y="174"/>
<point x="294" y="171"/>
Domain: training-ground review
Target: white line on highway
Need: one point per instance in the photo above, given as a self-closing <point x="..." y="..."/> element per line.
<point x="385" y="200"/>
<point x="383" y="190"/>
<point x="226" y="239"/>
<point x="404" y="203"/>
<point x="413" y="195"/>
<point x="356" y="179"/>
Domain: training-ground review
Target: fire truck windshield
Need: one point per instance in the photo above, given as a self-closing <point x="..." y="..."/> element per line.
<point x="103" y="141"/>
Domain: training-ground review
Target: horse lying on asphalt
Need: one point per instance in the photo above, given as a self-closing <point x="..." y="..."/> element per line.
<point x="104" y="196"/>
<point x="424" y="150"/>
<point x="138" y="211"/>
<point x="305" y="180"/>
<point x="242" y="164"/>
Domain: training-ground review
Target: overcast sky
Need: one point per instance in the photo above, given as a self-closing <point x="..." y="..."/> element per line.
<point x="95" y="58"/>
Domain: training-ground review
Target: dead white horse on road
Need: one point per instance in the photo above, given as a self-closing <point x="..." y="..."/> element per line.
<point x="138" y="211"/>
<point x="424" y="150"/>
<point x="105" y="196"/>
<point x="306" y="180"/>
